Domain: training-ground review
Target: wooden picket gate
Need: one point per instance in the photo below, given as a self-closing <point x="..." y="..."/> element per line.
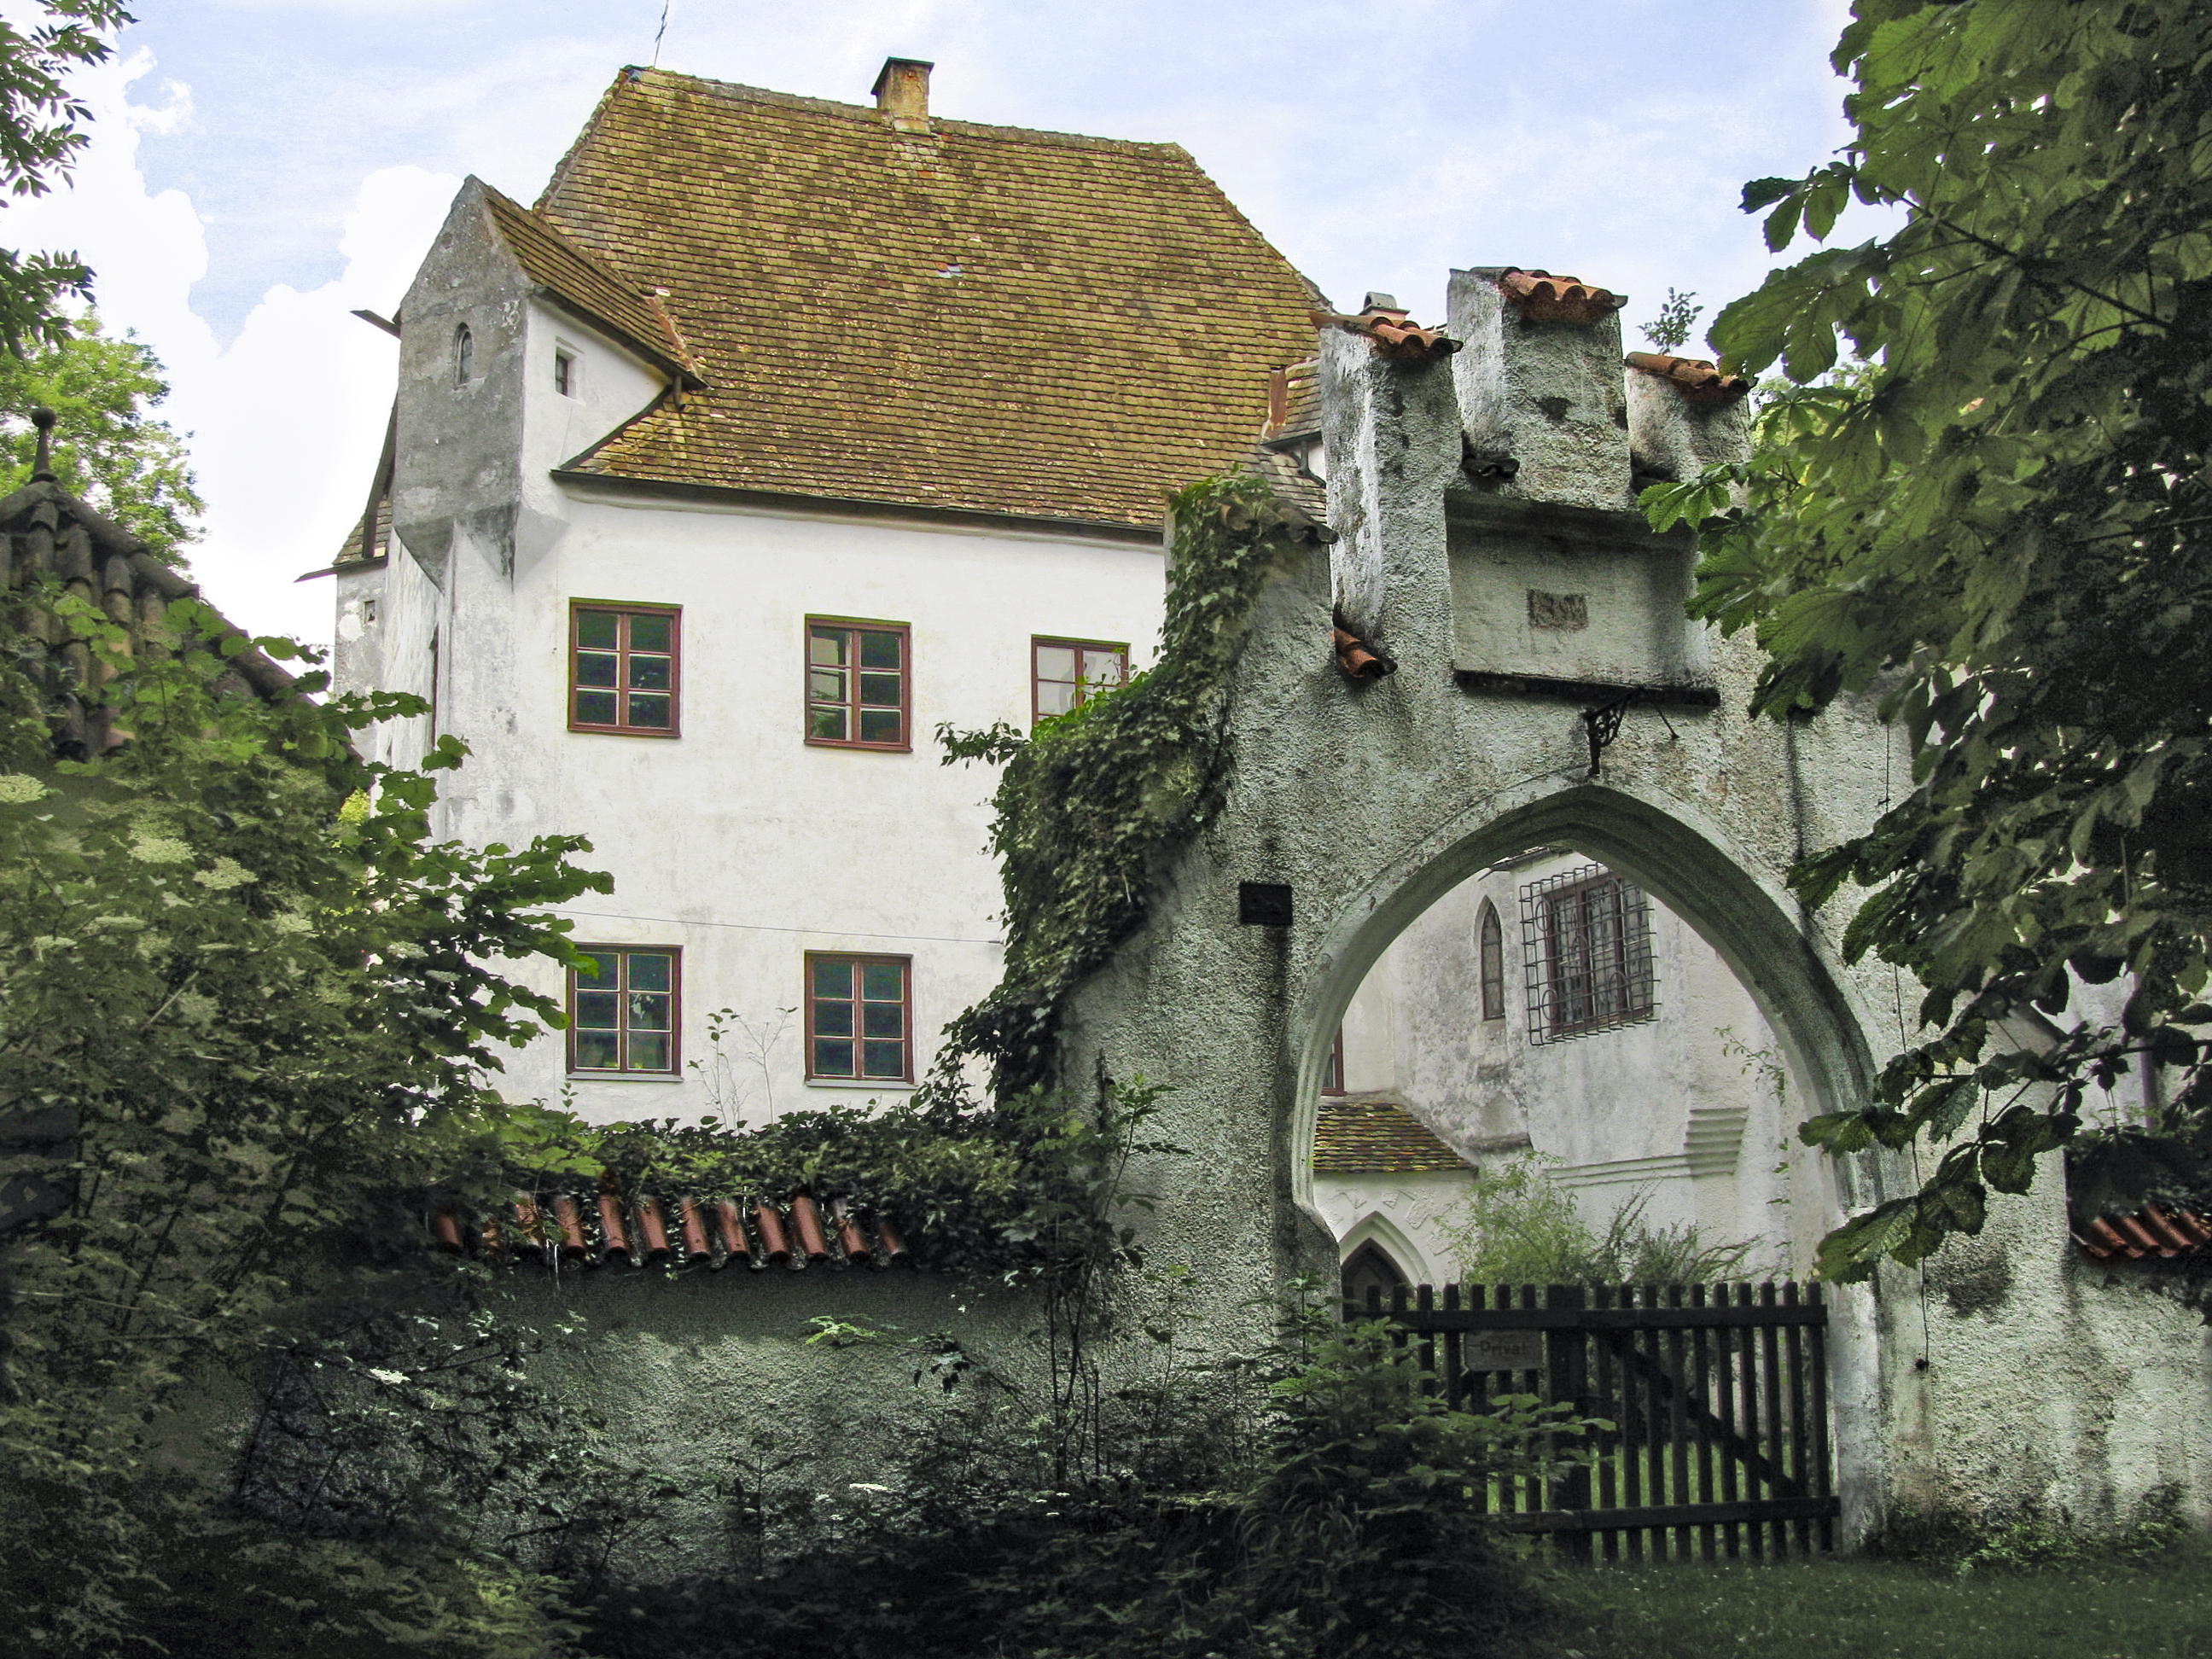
<point x="1717" y="1395"/>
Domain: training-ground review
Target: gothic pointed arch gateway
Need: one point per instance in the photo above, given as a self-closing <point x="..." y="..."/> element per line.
<point x="1548" y="690"/>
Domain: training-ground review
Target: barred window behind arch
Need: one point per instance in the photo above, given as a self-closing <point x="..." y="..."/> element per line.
<point x="1586" y="938"/>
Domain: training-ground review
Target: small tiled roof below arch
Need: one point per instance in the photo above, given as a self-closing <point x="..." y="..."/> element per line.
<point x="1374" y="1135"/>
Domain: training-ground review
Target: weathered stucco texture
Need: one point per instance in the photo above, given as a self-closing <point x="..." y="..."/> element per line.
<point x="1373" y="800"/>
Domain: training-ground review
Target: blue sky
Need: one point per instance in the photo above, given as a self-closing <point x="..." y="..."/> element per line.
<point x="261" y="167"/>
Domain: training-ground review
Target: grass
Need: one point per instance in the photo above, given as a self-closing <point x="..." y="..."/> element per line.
<point x="1854" y="1608"/>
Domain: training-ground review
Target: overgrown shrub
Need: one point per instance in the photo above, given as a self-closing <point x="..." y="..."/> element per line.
<point x="1519" y="1226"/>
<point x="1961" y="1541"/>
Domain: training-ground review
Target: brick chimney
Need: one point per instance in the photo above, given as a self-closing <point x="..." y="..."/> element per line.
<point x="901" y="91"/>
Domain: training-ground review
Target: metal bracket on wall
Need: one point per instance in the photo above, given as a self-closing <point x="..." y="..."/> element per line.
<point x="1602" y="725"/>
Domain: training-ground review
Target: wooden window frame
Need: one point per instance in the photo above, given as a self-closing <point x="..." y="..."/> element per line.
<point x="1490" y="960"/>
<point x="860" y="959"/>
<point x="1331" y="1077"/>
<point x="625" y="1071"/>
<point x="620" y="728"/>
<point x="852" y="703"/>
<point x="1039" y="641"/>
<point x="566" y="361"/>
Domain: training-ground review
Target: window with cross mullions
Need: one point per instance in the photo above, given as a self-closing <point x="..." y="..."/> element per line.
<point x="622" y="668"/>
<point x="1065" y="674"/>
<point x="859" y="684"/>
<point x="622" y="1012"/>
<point x="859" y="1017"/>
<point x="1589" y="968"/>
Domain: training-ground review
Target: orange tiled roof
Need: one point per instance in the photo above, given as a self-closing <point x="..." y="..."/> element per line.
<point x="1541" y="297"/>
<point x="973" y="318"/>
<point x="599" y="1229"/>
<point x="1363" y="1135"/>
<point x="2150" y="1231"/>
<point x="1695" y="378"/>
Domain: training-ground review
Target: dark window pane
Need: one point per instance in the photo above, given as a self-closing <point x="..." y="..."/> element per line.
<point x="649" y="630"/>
<point x="595" y="708"/>
<point x="649" y="709"/>
<point x="833" y="978"/>
<point x="607" y="972"/>
<point x="595" y="668"/>
<point x="595" y="1051"/>
<point x="882" y="1019"/>
<point x="833" y="1019"/>
<point x="1054" y="697"/>
<point x="1055" y="662"/>
<point x="880" y="725"/>
<point x="882" y="981"/>
<point x="596" y="1009"/>
<point x="880" y="691"/>
<point x="649" y="970"/>
<point x="648" y="1051"/>
<point x="597" y="630"/>
<point x="827" y="647"/>
<point x="827" y="723"/>
<point x="648" y="1011"/>
<point x="879" y="651"/>
<point x="651" y="673"/>
<point x="833" y="1057"/>
<point x="825" y="685"/>
<point x="884" y="1058"/>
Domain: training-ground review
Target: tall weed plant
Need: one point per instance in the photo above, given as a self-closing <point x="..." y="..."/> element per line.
<point x="1518" y="1225"/>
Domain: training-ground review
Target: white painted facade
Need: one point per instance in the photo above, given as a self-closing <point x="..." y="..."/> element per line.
<point x="1687" y="1109"/>
<point x="736" y="842"/>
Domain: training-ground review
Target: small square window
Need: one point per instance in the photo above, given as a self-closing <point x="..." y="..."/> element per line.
<point x="859" y="1020"/>
<point x="564" y="372"/>
<point x="622" y="668"/>
<point x="368" y="611"/>
<point x="1065" y="674"/>
<point x="859" y="683"/>
<point x="622" y="1012"/>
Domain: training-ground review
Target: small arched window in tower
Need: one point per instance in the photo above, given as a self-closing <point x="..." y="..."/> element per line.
<point x="1370" y="1277"/>
<point x="465" y="355"/>
<point x="1493" y="937"/>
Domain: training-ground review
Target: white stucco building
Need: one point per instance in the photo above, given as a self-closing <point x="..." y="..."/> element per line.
<point x="777" y="434"/>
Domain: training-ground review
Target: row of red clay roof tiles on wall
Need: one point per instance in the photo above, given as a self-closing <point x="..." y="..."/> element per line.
<point x="1391" y="333"/>
<point x="1695" y="378"/>
<point x="1541" y="297"/>
<point x="600" y="1229"/>
<point x="2150" y="1231"/>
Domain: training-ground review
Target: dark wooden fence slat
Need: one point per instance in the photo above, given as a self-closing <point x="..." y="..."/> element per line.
<point x="1724" y="1392"/>
<point x="1701" y="1362"/>
<point x="1823" y="1475"/>
<point x="1678" y="1426"/>
<point x="1800" y="1451"/>
<point x="1454" y="1381"/>
<point x="1770" y="1385"/>
<point x="1779" y="1511"/>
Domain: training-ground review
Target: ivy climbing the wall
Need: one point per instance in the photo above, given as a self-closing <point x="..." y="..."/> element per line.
<point x="1093" y="802"/>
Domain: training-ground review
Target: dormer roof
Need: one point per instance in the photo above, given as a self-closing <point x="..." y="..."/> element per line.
<point x="975" y="319"/>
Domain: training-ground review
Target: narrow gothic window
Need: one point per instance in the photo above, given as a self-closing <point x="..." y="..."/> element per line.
<point x="465" y="355"/>
<point x="1493" y="963"/>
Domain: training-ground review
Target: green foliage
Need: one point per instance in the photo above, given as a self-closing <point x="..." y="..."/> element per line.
<point x="108" y="452"/>
<point x="1519" y="1226"/>
<point x="1961" y="1543"/>
<point x="1343" y="1526"/>
<point x="263" y="1012"/>
<point x="1095" y="800"/>
<point x="1996" y="519"/>
<point x="39" y="142"/>
<point x="1670" y="331"/>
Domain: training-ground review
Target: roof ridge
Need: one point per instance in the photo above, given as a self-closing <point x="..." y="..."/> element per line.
<point x="739" y="92"/>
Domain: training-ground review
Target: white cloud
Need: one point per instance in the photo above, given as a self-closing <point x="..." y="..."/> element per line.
<point x="285" y="422"/>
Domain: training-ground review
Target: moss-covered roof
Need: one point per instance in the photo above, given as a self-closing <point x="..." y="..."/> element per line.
<point x="981" y="319"/>
<point x="580" y="281"/>
<point x="1364" y="1134"/>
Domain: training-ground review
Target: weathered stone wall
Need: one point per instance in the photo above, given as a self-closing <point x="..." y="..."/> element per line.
<point x="1372" y="801"/>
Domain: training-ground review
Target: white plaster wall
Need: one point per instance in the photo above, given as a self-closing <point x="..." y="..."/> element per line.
<point x="1614" y="1108"/>
<point x="1404" y="1214"/>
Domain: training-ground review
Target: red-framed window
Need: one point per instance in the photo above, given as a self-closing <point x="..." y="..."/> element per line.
<point x="623" y="665"/>
<point x="859" y="1017"/>
<point x="1065" y="674"/>
<point x="860" y="684"/>
<point x="624" y="1015"/>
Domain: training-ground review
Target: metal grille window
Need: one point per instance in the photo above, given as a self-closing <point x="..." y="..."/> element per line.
<point x="1586" y="938"/>
<point x="622" y="1018"/>
<point x="857" y="1018"/>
